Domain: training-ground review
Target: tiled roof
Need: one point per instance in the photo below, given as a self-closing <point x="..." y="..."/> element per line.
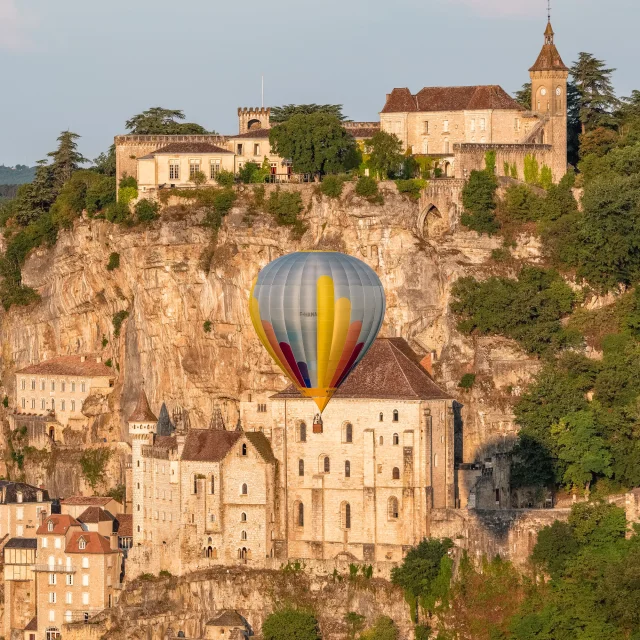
<point x="33" y="625"/>
<point x="70" y="366"/>
<point x="390" y="370"/>
<point x="432" y="99"/>
<point x="261" y="444"/>
<point x="142" y="412"/>
<point x="208" y="446"/>
<point x="258" y="134"/>
<point x="549" y="60"/>
<point x="10" y="490"/>
<point x="363" y="132"/>
<point x="22" y="543"/>
<point x="61" y="523"/>
<point x="95" y="543"/>
<point x="93" y="515"/>
<point x="90" y="501"/>
<point x="189" y="147"/>
<point x="124" y="524"/>
<point x="227" y="618"/>
<point x="165" y="442"/>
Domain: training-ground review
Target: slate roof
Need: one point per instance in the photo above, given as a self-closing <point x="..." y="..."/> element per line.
<point x="124" y="525"/>
<point x="29" y="492"/>
<point x="165" y="442"/>
<point x="142" y="412"/>
<point x="22" y="543"/>
<point x="227" y="618"/>
<point x="90" y="501"/>
<point x="93" y="515"/>
<point x="390" y="370"/>
<point x="95" y="543"/>
<point x="61" y="522"/>
<point x="164" y="427"/>
<point x="208" y="446"/>
<point x="431" y="99"/>
<point x="70" y="366"/>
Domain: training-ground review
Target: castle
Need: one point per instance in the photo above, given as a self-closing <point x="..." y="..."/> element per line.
<point x="454" y="126"/>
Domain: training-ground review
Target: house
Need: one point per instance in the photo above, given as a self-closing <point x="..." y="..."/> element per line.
<point x="22" y="508"/>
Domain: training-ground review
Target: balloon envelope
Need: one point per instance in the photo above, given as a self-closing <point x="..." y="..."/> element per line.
<point x="317" y="313"/>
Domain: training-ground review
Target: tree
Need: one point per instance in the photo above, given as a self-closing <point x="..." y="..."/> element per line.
<point x="281" y="114"/>
<point x="290" y="624"/>
<point x="385" y="155"/>
<point x="316" y="143"/>
<point x="523" y="96"/>
<point x="555" y="546"/>
<point x="597" y="96"/>
<point x="384" y="628"/>
<point x="478" y="199"/>
<point x="157" y="120"/>
<point x="66" y="158"/>
<point x="105" y="163"/>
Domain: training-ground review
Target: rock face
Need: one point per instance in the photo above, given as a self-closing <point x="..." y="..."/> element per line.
<point x="163" y="342"/>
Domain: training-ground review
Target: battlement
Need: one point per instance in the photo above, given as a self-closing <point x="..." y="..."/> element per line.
<point x="255" y="110"/>
<point x="250" y="118"/>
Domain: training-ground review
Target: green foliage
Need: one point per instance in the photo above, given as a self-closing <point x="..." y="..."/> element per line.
<point x="93" y="463"/>
<point x="316" y="143"/>
<point x="108" y="362"/>
<point x="506" y="168"/>
<point x="531" y="170"/>
<point x="119" y="213"/>
<point x="385" y="154"/>
<point x="5" y="402"/>
<point x="20" y="174"/>
<point x="127" y="182"/>
<point x="114" y="263"/>
<point x="528" y="309"/>
<point x="225" y="178"/>
<point x="287" y="111"/>
<point x="117" y="320"/>
<point x="367" y="187"/>
<point x="118" y="493"/>
<point x="523" y="96"/>
<point x="355" y="622"/>
<point x="522" y="204"/>
<point x="163" y="573"/>
<point x="290" y="624"/>
<point x="127" y="194"/>
<point x="146" y="210"/>
<point x="514" y="171"/>
<point x="207" y="326"/>
<point x="384" y="628"/>
<point x="285" y="207"/>
<point x="105" y="163"/>
<point x="490" y="161"/>
<point x="105" y="342"/>
<point x="412" y="187"/>
<point x="422" y="632"/>
<point x="159" y="121"/>
<point x="198" y="178"/>
<point x="467" y="381"/>
<point x="425" y="573"/>
<point x="478" y="199"/>
<point x="546" y="177"/>
<point x="253" y="173"/>
<point x="332" y="186"/>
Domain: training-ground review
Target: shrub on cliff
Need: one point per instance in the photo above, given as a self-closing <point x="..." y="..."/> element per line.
<point x="286" y="207"/>
<point x="146" y="210"/>
<point x="332" y="186"/>
<point x="384" y="628"/>
<point x="94" y="463"/>
<point x="367" y="187"/>
<point x="411" y="188"/>
<point x="478" y="199"/>
<point x="117" y="320"/>
<point x="114" y="263"/>
<point x="290" y="624"/>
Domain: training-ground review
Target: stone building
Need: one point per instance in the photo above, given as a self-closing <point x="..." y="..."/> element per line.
<point x="50" y="395"/>
<point x="77" y="574"/>
<point x="22" y="507"/>
<point x="19" y="556"/>
<point x="76" y="505"/>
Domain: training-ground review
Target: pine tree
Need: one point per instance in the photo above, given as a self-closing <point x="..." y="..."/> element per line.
<point x="66" y="158"/>
<point x="523" y="97"/>
<point x="597" y="96"/>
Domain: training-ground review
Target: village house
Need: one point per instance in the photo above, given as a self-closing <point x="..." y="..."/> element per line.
<point x="22" y="507"/>
<point x="76" y="505"/>
<point x="19" y="556"/>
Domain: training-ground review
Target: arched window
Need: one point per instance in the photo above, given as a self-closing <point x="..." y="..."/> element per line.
<point x="243" y="535"/>
<point x="243" y="517"/>
<point x="302" y="432"/>
<point x="245" y="489"/>
<point x="82" y="544"/>
<point x="381" y="417"/>
<point x="396" y="439"/>
<point x="345" y="515"/>
<point x="381" y="440"/>
<point x="395" y="415"/>
<point x="213" y="485"/>
<point x="326" y="464"/>
<point x="392" y="508"/>
<point x="347" y="469"/>
<point x="300" y="467"/>
<point x="244" y="449"/>
<point x="300" y="514"/>
<point x="348" y="432"/>
<point x="50" y="525"/>
<point x="396" y="473"/>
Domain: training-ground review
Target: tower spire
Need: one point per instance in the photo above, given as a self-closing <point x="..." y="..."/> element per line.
<point x="548" y="32"/>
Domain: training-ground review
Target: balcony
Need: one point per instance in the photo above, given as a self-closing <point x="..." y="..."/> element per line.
<point x="54" y="568"/>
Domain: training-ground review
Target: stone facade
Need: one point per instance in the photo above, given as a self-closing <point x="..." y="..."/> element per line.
<point x="22" y="508"/>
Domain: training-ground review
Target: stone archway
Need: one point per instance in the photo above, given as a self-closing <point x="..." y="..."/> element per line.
<point x="431" y="222"/>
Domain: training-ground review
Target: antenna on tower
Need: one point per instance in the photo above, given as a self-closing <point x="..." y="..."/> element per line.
<point x="549" y="10"/>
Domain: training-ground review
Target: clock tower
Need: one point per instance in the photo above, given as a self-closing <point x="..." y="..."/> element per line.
<point x="549" y="100"/>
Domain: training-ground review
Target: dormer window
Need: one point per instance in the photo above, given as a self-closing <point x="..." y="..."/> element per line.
<point x="82" y="544"/>
<point x="244" y="449"/>
<point x="19" y="496"/>
<point x="50" y="525"/>
<point x="39" y="496"/>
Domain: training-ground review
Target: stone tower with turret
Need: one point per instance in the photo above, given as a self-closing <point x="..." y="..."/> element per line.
<point x="549" y="100"/>
<point x="252" y="118"/>
<point x="142" y="425"/>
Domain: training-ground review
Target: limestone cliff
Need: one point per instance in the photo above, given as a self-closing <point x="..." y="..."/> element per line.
<point x="417" y="251"/>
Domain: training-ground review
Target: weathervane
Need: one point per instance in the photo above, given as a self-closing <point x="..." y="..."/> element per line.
<point x="549" y="10"/>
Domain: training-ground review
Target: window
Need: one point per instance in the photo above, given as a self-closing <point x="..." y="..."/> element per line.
<point x="244" y="449"/>
<point x="396" y="415"/>
<point x="33" y="403"/>
<point x="73" y="387"/>
<point x="348" y="432"/>
<point x="62" y="405"/>
<point x="52" y="578"/>
<point x="51" y="562"/>
<point x="33" y="384"/>
<point x="194" y="167"/>
<point x="345" y="515"/>
<point x="396" y="439"/>
<point x="174" y="169"/>
<point x="214" y="168"/>
<point x="395" y="474"/>
<point x="326" y="464"/>
<point x="256" y="149"/>
<point x="262" y="407"/>
<point x="212" y="487"/>
<point x="85" y="598"/>
<point x="435" y="459"/>
<point x="195" y="484"/>
<point x="300" y="514"/>
<point x="244" y="490"/>
<point x="83" y="386"/>
<point x="42" y="385"/>
<point x="57" y="543"/>
<point x="300" y="467"/>
<point x="392" y="508"/>
<point x="69" y="597"/>
<point x="50" y="526"/>
<point x="243" y="535"/>
<point x="68" y="616"/>
<point x="85" y="581"/>
<point x="19" y="531"/>
<point x="483" y="124"/>
<point x="302" y="432"/>
<point x="381" y="418"/>
<point x="243" y="517"/>
<point x="426" y="126"/>
<point x="473" y="124"/>
<point x="82" y="544"/>
<point x="69" y="582"/>
<point x="63" y="386"/>
<point x="43" y="403"/>
<point x="53" y="404"/>
<point x="53" y="386"/>
<point x="23" y="384"/>
<point x="44" y="543"/>
<point x="24" y="403"/>
<point x="52" y="596"/>
<point x="239" y="149"/>
<point x="445" y="125"/>
<point x="381" y="440"/>
<point x="73" y="405"/>
<point x="85" y="563"/>
<point x="446" y="145"/>
<point x="347" y="469"/>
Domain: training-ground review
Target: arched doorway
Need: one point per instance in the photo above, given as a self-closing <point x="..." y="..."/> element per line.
<point x="242" y="555"/>
<point x="52" y="433"/>
<point x="431" y="222"/>
<point x="447" y="170"/>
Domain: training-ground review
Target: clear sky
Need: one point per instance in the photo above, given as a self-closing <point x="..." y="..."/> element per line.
<point x="88" y="65"/>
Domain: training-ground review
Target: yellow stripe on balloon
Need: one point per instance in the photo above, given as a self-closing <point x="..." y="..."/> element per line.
<point x="340" y="331"/>
<point x="325" y="307"/>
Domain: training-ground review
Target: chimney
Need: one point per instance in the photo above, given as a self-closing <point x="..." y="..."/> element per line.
<point x="388" y="96"/>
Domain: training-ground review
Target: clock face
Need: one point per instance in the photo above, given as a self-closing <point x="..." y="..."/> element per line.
<point x="558" y="91"/>
<point x="543" y="91"/>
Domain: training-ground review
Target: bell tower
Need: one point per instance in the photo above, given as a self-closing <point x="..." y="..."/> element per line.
<point x="549" y="100"/>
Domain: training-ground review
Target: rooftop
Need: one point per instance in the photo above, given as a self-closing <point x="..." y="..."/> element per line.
<point x="142" y="412"/>
<point x="22" y="543"/>
<point x="90" y="501"/>
<point x="9" y="492"/>
<point x="226" y="618"/>
<point x="431" y="99"/>
<point x="61" y="523"/>
<point x="175" y="148"/>
<point x="82" y="366"/>
<point x="124" y="524"/>
<point x="390" y="370"/>
<point x="94" y="543"/>
<point x="93" y="515"/>
<point x="207" y="445"/>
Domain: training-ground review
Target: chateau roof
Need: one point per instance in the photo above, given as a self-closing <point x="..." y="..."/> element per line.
<point x="430" y="99"/>
<point x="390" y="370"/>
<point x="90" y="501"/>
<point x="93" y="515"/>
<point x="70" y="366"/>
<point x="142" y="412"/>
<point x="22" y="543"/>
<point x="95" y="543"/>
<point x="549" y="59"/>
<point x="206" y="445"/>
<point x="124" y="524"/>
<point x="29" y="492"/>
<point x="187" y="147"/>
<point x="227" y="618"/>
<point x="61" y="523"/>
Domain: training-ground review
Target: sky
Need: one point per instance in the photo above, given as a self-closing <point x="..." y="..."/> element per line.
<point x="89" y="65"/>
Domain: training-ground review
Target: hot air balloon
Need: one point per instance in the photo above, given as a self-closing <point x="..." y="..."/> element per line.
<point x="317" y="313"/>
